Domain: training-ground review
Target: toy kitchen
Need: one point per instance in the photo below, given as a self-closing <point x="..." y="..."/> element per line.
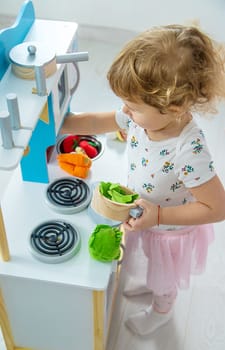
<point x="51" y="299"/>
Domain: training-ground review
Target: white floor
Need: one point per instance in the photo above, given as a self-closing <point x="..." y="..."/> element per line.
<point x="198" y="322"/>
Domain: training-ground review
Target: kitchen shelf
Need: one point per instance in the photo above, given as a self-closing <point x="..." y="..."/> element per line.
<point x="30" y="104"/>
<point x="10" y="158"/>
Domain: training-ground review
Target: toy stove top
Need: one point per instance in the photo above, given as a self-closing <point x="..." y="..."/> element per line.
<point x="57" y="241"/>
<point x="68" y="195"/>
<point x="54" y="241"/>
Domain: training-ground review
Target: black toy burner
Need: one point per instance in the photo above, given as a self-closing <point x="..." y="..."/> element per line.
<point x="68" y="195"/>
<point x="54" y="241"/>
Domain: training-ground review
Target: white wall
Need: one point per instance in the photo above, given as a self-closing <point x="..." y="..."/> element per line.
<point x="128" y="14"/>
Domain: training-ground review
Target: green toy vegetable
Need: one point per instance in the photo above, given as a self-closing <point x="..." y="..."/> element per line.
<point x="104" y="243"/>
<point x="116" y="193"/>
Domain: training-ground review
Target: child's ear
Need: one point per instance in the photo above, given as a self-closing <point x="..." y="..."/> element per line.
<point x="176" y="109"/>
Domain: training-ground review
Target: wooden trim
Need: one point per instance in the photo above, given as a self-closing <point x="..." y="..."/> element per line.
<point x="98" y="320"/>
<point x="115" y="290"/>
<point x="5" y="325"/>
<point x="4" y="248"/>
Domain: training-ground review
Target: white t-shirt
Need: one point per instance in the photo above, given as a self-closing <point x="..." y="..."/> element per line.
<point x="162" y="171"/>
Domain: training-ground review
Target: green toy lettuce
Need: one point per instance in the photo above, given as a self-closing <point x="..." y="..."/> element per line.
<point x="116" y="193"/>
<point x="104" y="243"/>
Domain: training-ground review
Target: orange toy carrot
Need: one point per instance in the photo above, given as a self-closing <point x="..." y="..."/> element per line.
<point x="75" y="159"/>
<point x="74" y="170"/>
<point x="76" y="164"/>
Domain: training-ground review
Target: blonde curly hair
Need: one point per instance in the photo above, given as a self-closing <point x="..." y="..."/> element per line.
<point x="168" y="66"/>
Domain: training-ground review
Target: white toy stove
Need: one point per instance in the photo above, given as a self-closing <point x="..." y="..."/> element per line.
<point x="36" y="228"/>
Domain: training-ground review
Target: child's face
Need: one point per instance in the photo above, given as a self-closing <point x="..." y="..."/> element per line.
<point x="147" y="117"/>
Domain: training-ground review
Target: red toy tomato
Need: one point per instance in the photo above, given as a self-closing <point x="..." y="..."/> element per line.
<point x="70" y="143"/>
<point x="89" y="149"/>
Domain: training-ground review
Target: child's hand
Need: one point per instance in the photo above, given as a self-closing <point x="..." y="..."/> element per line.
<point x="148" y="219"/>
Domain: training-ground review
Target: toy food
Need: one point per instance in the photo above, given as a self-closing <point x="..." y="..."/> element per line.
<point x="70" y="143"/>
<point x="117" y="193"/>
<point x="104" y="243"/>
<point x="77" y="143"/>
<point x="113" y="201"/>
<point x="76" y="164"/>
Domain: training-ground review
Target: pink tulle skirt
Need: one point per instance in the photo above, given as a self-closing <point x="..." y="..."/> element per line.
<point x="167" y="258"/>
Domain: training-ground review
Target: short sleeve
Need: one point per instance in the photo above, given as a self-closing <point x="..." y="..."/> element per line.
<point x="193" y="161"/>
<point x="122" y="119"/>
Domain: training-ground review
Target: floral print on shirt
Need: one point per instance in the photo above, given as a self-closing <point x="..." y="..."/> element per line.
<point x="176" y="186"/>
<point x="164" y="171"/>
<point x="148" y="187"/>
<point x="197" y="146"/>
<point x="133" y="142"/>
<point x="144" y="161"/>
<point x="167" y="166"/>
<point x="164" y="152"/>
<point x="187" y="169"/>
<point x="211" y="167"/>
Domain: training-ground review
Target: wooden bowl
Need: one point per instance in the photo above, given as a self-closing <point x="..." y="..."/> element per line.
<point x="110" y="209"/>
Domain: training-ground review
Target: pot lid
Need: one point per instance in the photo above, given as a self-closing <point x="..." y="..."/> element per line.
<point x="30" y="54"/>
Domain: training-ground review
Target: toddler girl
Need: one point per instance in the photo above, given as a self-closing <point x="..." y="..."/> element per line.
<point x="163" y="77"/>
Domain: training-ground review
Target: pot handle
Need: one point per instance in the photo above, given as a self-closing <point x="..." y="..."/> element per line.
<point x="72" y="57"/>
<point x="136" y="212"/>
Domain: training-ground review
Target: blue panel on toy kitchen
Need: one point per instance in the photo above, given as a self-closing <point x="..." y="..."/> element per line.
<point x="15" y="34"/>
<point x="34" y="162"/>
